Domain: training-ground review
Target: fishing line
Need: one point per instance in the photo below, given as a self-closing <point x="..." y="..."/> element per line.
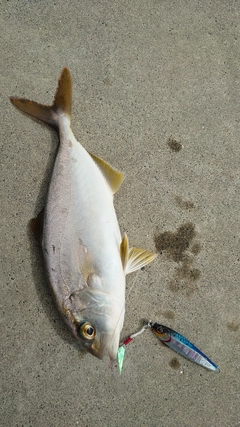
<point x="121" y="350"/>
<point x="130" y="338"/>
<point x="127" y="297"/>
<point x="172" y="339"/>
<point x="132" y="286"/>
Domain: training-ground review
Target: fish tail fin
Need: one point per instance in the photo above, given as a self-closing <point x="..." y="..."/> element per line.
<point x="62" y="103"/>
<point x="63" y="96"/>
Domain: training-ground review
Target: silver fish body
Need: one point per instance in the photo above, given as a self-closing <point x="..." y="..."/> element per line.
<point x="86" y="258"/>
<point x="84" y="265"/>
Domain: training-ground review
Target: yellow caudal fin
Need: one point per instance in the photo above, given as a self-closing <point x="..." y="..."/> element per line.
<point x="62" y="102"/>
<point x="135" y="258"/>
<point x="63" y="95"/>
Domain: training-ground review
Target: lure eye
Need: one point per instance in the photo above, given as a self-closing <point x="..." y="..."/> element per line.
<point x="160" y="329"/>
<point x="86" y="331"/>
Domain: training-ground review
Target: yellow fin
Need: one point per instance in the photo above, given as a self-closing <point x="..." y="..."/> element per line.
<point x="41" y="112"/>
<point x="113" y="177"/>
<point x="47" y="113"/>
<point x="135" y="258"/>
<point x="63" y="95"/>
<point x="124" y="250"/>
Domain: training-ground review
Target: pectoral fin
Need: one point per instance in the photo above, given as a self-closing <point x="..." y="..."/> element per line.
<point x="113" y="177"/>
<point x="124" y="251"/>
<point x="86" y="266"/>
<point x="135" y="258"/>
<point x="85" y="261"/>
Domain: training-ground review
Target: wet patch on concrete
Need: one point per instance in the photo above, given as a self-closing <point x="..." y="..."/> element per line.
<point x="107" y="81"/>
<point x="170" y="315"/>
<point x="184" y="204"/>
<point x="180" y="246"/>
<point x="174" y="363"/>
<point x="174" y="145"/>
<point x="233" y="326"/>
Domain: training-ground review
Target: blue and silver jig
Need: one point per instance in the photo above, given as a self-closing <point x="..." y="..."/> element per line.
<point x="175" y="341"/>
<point x="182" y="346"/>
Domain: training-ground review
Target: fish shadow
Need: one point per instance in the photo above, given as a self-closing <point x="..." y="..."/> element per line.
<point x="41" y="281"/>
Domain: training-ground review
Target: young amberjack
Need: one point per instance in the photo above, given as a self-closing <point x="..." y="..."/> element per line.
<point x="86" y="258"/>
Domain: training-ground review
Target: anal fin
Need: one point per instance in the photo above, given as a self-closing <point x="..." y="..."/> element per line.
<point x="135" y="258"/>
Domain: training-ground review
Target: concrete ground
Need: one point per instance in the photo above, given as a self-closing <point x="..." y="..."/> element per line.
<point x="156" y="93"/>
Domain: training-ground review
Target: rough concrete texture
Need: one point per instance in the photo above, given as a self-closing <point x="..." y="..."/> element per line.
<point x="156" y="94"/>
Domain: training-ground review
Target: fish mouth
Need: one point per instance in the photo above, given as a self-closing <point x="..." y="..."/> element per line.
<point x="107" y="345"/>
<point x="97" y="352"/>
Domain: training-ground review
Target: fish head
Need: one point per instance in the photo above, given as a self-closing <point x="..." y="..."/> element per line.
<point x="98" y="342"/>
<point x="98" y="325"/>
<point x="89" y="337"/>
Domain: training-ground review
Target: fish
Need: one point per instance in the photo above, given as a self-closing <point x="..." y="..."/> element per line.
<point x="181" y="345"/>
<point x="85" y="255"/>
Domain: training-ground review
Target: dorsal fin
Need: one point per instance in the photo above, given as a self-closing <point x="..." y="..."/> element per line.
<point x="113" y="177"/>
<point x="135" y="258"/>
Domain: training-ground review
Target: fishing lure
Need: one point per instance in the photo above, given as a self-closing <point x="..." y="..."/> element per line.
<point x="175" y="341"/>
<point x="121" y="350"/>
<point x="181" y="345"/>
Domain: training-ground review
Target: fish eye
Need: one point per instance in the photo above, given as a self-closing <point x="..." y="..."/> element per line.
<point x="86" y="331"/>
